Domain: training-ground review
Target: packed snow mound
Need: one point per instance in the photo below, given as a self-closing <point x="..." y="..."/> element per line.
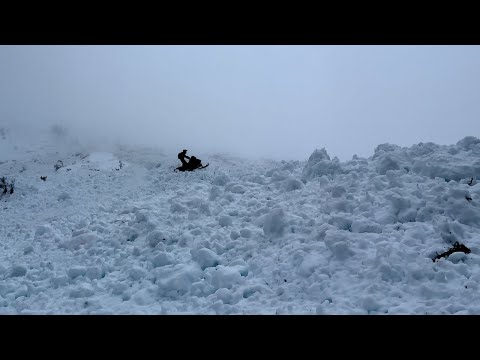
<point x="449" y="162"/>
<point x="319" y="164"/>
<point x="469" y="143"/>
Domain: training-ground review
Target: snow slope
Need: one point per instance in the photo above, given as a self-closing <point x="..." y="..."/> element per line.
<point x="240" y="237"/>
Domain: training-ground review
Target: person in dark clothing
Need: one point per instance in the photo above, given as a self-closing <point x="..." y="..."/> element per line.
<point x="182" y="157"/>
<point x="192" y="164"/>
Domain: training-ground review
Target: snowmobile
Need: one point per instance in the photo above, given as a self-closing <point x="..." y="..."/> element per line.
<point x="193" y="164"/>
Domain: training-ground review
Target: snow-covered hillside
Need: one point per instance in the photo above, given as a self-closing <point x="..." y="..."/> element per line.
<point x="115" y="232"/>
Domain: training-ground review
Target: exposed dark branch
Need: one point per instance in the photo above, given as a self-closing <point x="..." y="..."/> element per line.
<point x="457" y="247"/>
<point x="5" y="187"/>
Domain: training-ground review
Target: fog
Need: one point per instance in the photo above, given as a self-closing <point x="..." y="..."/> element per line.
<point x="279" y="102"/>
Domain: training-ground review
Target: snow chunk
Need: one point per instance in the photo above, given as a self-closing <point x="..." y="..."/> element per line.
<point x="155" y="237"/>
<point x="225" y="220"/>
<point x="468" y="143"/>
<point x="221" y="180"/>
<point x="64" y="196"/>
<point x="199" y="204"/>
<point x="341" y="222"/>
<point x="338" y="191"/>
<point x="338" y="243"/>
<point x="205" y="258"/>
<point x="250" y="290"/>
<point x="223" y="276"/>
<point x="162" y="259"/>
<point x="235" y="188"/>
<point x="18" y="270"/>
<point x="143" y="297"/>
<point x="278" y="175"/>
<point x="141" y="216"/>
<point x="82" y="290"/>
<point x="130" y="233"/>
<point x="257" y="179"/>
<point x="387" y="163"/>
<point x="3" y="270"/>
<point x="21" y="291"/>
<point x="95" y="272"/>
<point x="246" y="233"/>
<point x="319" y="164"/>
<point x="291" y="184"/>
<point x="227" y="296"/>
<point x="178" y="279"/>
<point x="274" y="222"/>
<point x="309" y="264"/>
<point x="370" y="304"/>
<point x="85" y="239"/>
<point x="43" y="230"/>
<point x="457" y="257"/>
<point x="28" y="249"/>
<point x="137" y="273"/>
<point x="76" y="271"/>
<point x="215" y="192"/>
<point x="365" y="226"/>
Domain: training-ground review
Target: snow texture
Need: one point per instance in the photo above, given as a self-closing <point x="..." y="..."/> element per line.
<point x="240" y="237"/>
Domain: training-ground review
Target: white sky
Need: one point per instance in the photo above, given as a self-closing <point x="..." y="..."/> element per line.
<point x="270" y="101"/>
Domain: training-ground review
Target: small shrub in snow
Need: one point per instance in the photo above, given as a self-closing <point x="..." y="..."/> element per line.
<point x="5" y="187"/>
<point x="58" y="165"/>
<point x="457" y="247"/>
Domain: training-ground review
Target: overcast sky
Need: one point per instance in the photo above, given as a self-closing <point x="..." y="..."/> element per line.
<point x="280" y="102"/>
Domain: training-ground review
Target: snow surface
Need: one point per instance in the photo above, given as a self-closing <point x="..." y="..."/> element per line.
<point x="240" y="237"/>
